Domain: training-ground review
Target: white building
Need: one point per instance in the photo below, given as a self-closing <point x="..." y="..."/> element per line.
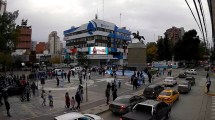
<point x="3" y="5"/>
<point x="33" y="45"/>
<point x="55" y="45"/>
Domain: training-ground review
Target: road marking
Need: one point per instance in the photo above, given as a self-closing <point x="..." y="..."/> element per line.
<point x="213" y="108"/>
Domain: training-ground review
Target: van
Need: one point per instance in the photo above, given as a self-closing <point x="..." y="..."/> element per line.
<point x="152" y="91"/>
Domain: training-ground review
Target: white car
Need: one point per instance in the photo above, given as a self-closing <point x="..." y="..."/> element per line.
<point x="191" y="71"/>
<point x="169" y="81"/>
<point x="78" y="116"/>
<point x="58" y="72"/>
<point x="76" y="69"/>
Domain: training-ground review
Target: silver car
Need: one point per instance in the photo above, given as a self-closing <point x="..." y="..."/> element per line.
<point x="184" y="87"/>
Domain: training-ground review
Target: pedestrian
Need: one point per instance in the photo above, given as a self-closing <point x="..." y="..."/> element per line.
<point x="78" y="100"/>
<point x="135" y="82"/>
<point x="150" y="77"/>
<point x="119" y="83"/>
<point x="61" y="82"/>
<point x="43" y="96"/>
<point x="42" y="81"/>
<point x="50" y="99"/>
<point x="114" y="94"/>
<point x="72" y="103"/>
<point x="107" y="94"/>
<point x="64" y="74"/>
<point x="7" y="106"/>
<point x="33" y="88"/>
<point x="108" y="86"/>
<point x="27" y="91"/>
<point x="208" y="84"/>
<point x="68" y="76"/>
<point x="57" y="81"/>
<point x="113" y="87"/>
<point x="89" y="75"/>
<point x="84" y="74"/>
<point x="67" y="100"/>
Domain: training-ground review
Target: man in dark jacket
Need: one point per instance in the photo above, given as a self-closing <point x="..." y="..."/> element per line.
<point x="78" y="100"/>
<point x="107" y="94"/>
<point x="7" y="106"/>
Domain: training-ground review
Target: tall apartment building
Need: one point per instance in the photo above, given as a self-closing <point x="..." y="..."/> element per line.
<point x="211" y="5"/>
<point x="174" y="34"/>
<point x="54" y="43"/>
<point x="24" y="40"/>
<point x="3" y="5"/>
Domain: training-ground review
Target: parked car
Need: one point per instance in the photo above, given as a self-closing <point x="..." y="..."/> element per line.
<point x="152" y="91"/>
<point x="191" y="80"/>
<point x="182" y="75"/>
<point x="191" y="71"/>
<point x="76" y="69"/>
<point x="58" y="72"/>
<point x="78" y="116"/>
<point x="168" y="96"/>
<point x="149" y="110"/>
<point x="125" y="103"/>
<point x="184" y="87"/>
<point x="169" y="81"/>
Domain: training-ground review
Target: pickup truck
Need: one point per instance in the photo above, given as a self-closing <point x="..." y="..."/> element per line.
<point x="149" y="110"/>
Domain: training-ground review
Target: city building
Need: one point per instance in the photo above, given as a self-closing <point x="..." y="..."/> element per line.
<point x="33" y="45"/>
<point x="211" y="5"/>
<point x="54" y="43"/>
<point x="3" y="5"/>
<point x="24" y="39"/>
<point x="40" y="47"/>
<point x="174" y="34"/>
<point x="101" y="41"/>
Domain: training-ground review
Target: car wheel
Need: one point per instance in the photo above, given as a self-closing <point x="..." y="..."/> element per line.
<point x="168" y="114"/>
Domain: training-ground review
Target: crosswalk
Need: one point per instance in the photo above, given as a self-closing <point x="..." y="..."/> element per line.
<point x="213" y="108"/>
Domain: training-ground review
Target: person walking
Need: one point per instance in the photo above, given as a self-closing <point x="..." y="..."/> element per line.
<point x="78" y="100"/>
<point x="107" y="94"/>
<point x="58" y="81"/>
<point x="67" y="100"/>
<point x="135" y="80"/>
<point x="7" y="106"/>
<point x="72" y="103"/>
<point x="150" y="77"/>
<point x="27" y="91"/>
<point x="114" y="94"/>
<point x="208" y="84"/>
<point x="33" y="88"/>
<point x="89" y="75"/>
<point x="64" y="74"/>
<point x="50" y="99"/>
<point x="68" y="76"/>
<point x="43" y="96"/>
<point x="119" y="83"/>
<point x="108" y="86"/>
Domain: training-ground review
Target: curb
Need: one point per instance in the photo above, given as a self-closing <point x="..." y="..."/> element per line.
<point x="210" y="94"/>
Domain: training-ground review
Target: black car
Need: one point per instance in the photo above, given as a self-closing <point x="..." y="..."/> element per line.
<point x="191" y="80"/>
<point x="152" y="91"/>
<point x="182" y="75"/>
<point x="125" y="103"/>
<point x="149" y="110"/>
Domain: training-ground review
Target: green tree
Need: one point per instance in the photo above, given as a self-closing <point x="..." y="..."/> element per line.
<point x="164" y="51"/>
<point x="8" y="32"/>
<point x="189" y="47"/>
<point x="151" y="51"/>
<point x="82" y="59"/>
<point x="55" y="60"/>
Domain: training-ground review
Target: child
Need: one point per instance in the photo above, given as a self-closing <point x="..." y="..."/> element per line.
<point x="67" y="100"/>
<point x="73" y="103"/>
<point x="50" y="99"/>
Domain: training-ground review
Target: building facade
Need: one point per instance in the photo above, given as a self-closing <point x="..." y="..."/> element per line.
<point x="54" y="43"/>
<point x="3" y="5"/>
<point x="24" y="39"/>
<point x="101" y="41"/>
<point x="174" y="34"/>
<point x="33" y="45"/>
<point x="211" y="5"/>
<point x="40" y="47"/>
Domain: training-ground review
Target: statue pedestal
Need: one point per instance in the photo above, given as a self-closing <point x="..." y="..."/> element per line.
<point x="137" y="56"/>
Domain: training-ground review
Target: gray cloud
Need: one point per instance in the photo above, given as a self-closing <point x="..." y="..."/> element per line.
<point x="150" y="17"/>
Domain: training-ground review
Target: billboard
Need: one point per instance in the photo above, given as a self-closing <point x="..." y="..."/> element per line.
<point x="98" y="50"/>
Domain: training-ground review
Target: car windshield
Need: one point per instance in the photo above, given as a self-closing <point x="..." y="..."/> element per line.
<point x="165" y="93"/>
<point x="122" y="100"/>
<point x="143" y="108"/>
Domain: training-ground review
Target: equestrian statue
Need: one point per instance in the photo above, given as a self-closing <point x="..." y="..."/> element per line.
<point x="137" y="36"/>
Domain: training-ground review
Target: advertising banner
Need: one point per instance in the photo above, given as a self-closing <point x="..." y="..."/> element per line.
<point x="98" y="50"/>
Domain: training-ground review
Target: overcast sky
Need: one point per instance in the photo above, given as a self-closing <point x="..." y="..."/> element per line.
<point x="150" y="17"/>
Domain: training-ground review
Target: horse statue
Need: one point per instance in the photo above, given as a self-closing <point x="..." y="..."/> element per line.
<point x="137" y="36"/>
<point x="24" y="22"/>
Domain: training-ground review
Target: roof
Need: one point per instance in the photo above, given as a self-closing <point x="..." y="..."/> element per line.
<point x="167" y="90"/>
<point x="69" y="116"/>
<point x="150" y="102"/>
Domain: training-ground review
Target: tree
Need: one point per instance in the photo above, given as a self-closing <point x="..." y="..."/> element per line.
<point x="188" y="48"/>
<point x="82" y="59"/>
<point x="8" y="31"/>
<point x="55" y="60"/>
<point x="151" y="51"/>
<point x="164" y="52"/>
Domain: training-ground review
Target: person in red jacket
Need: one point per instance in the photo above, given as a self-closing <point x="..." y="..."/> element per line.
<point x="67" y="100"/>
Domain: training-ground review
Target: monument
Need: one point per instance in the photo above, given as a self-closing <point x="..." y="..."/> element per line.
<point x="137" y="53"/>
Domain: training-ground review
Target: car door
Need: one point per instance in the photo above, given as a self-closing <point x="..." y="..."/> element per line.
<point x="159" y="111"/>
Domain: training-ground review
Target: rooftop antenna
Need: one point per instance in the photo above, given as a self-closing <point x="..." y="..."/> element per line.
<point x="120" y="20"/>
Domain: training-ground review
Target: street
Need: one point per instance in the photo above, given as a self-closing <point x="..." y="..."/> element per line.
<point x="195" y="105"/>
